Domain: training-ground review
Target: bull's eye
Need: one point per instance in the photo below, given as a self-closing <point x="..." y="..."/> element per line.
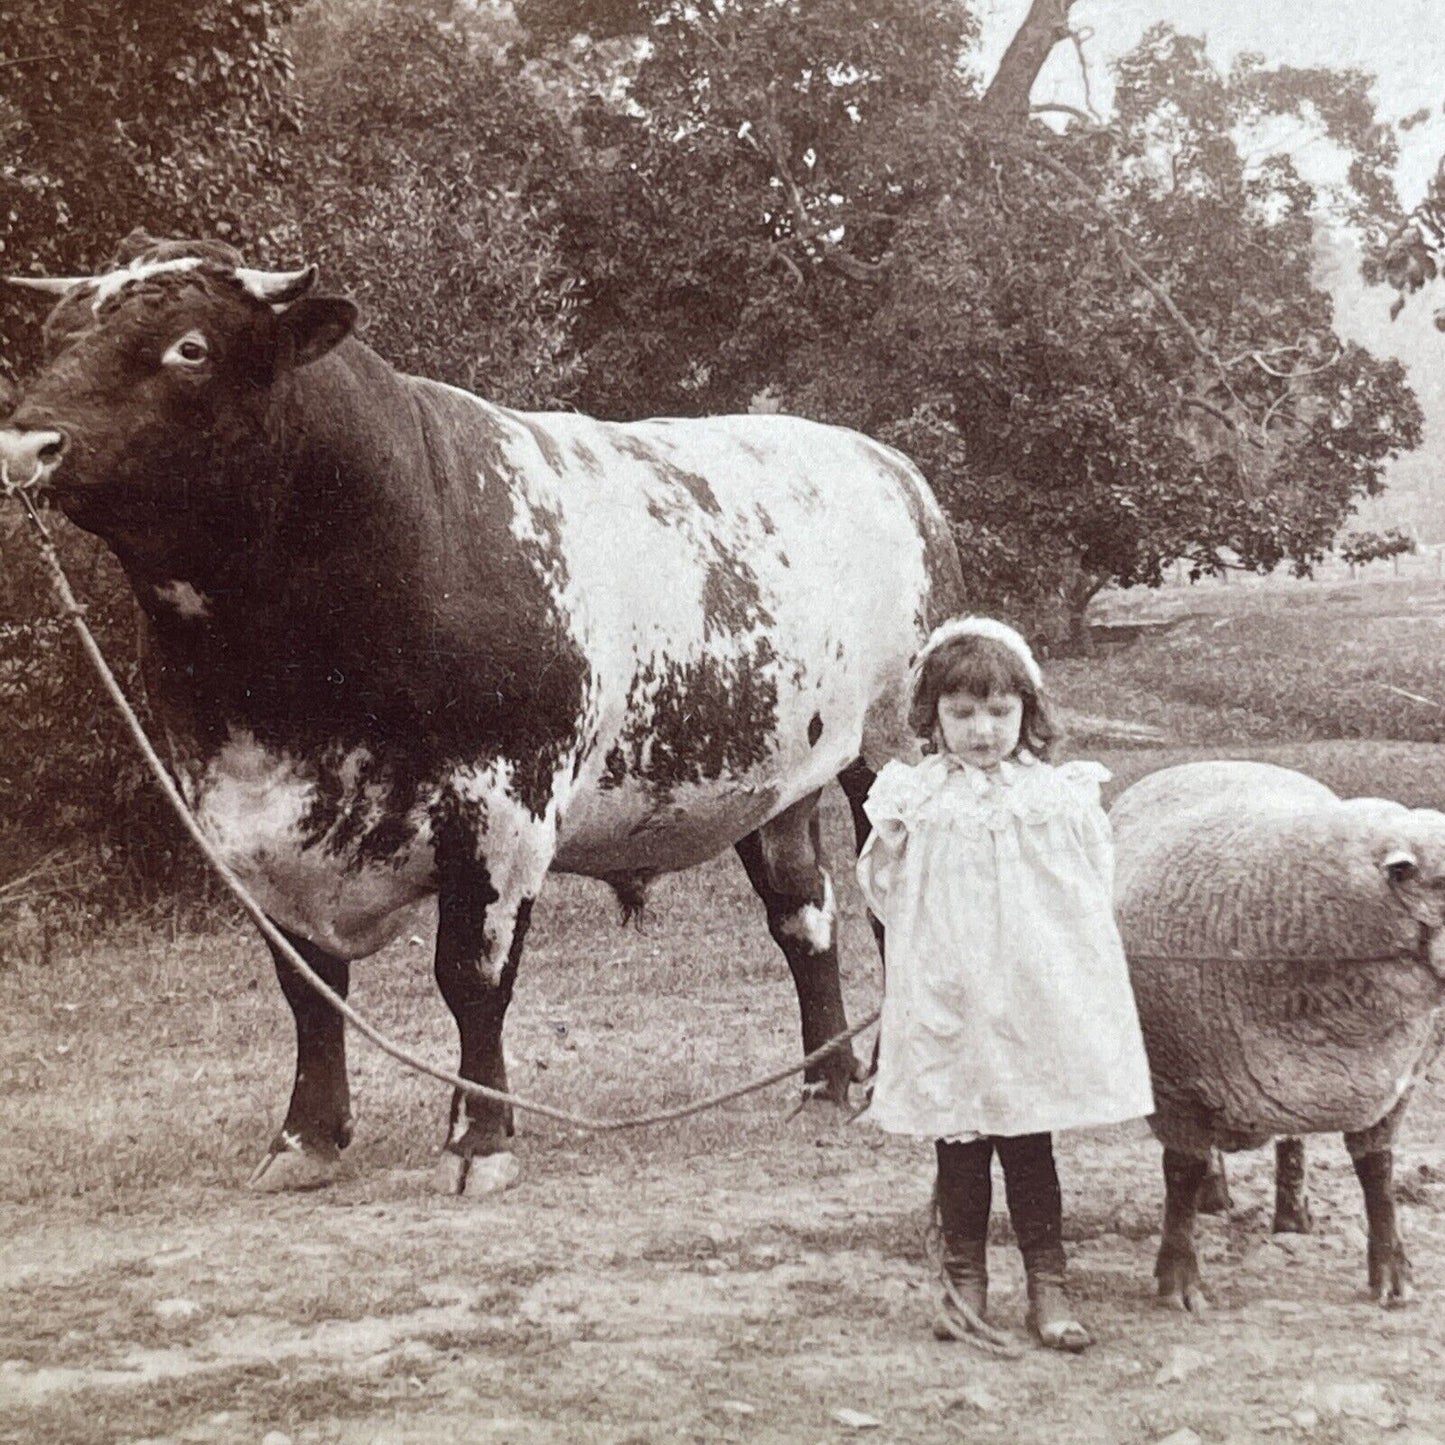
<point x="190" y="351"/>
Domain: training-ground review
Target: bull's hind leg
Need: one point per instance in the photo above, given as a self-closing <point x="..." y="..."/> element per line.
<point x="485" y="889"/>
<point x="782" y="859"/>
<point x="305" y="1153"/>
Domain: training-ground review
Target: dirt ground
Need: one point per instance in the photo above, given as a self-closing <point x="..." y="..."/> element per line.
<point x="744" y="1276"/>
<point x="773" y="1291"/>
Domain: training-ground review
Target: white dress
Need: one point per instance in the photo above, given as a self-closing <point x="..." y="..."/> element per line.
<point x="1007" y="1006"/>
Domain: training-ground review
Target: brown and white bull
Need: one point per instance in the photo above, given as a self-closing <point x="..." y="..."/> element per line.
<point x="405" y="642"/>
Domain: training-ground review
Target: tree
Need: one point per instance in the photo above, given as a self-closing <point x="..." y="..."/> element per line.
<point x="167" y="114"/>
<point x="1103" y="341"/>
<point x="433" y="198"/>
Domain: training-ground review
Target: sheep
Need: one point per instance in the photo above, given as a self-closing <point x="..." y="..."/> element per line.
<point x="1288" y="960"/>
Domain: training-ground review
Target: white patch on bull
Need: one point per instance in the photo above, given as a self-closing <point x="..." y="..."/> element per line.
<point x="515" y="846"/>
<point x="812" y="924"/>
<point x="839" y="530"/>
<point x="189" y="602"/>
<point x="115" y="281"/>
<point x="616" y="548"/>
<point x="253" y="803"/>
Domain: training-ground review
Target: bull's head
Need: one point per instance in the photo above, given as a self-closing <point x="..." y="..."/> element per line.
<point x="157" y="373"/>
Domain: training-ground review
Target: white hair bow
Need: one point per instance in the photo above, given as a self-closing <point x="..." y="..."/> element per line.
<point x="990" y="628"/>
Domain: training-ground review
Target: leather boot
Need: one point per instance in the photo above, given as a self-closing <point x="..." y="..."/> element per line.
<point x="1050" y="1319"/>
<point x="965" y="1275"/>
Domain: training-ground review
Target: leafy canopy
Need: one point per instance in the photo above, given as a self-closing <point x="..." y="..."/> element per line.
<point x="1104" y="344"/>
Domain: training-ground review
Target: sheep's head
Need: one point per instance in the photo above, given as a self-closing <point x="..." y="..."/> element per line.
<point x="1411" y="856"/>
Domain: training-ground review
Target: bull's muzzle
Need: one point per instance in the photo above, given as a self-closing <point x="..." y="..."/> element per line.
<point x="27" y="458"/>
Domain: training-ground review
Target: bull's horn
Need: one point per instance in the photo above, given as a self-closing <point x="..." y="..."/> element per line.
<point x="52" y="285"/>
<point x="277" y="287"/>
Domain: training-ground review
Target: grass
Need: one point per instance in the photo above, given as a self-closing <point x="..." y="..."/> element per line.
<point x="176" y="1068"/>
<point x="1274" y="662"/>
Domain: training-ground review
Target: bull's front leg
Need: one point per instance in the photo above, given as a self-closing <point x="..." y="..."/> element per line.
<point x="486" y="887"/>
<point x="1373" y="1155"/>
<point x="307" y="1149"/>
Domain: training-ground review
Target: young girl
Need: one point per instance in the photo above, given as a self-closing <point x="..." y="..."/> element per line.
<point x="1007" y="1011"/>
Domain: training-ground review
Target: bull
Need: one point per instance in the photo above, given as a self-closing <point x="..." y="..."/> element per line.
<point x="404" y="642"/>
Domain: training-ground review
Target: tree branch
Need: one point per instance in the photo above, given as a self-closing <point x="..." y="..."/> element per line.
<point x="1058" y="107"/>
<point x="1007" y="96"/>
<point x="804" y="227"/>
<point x="1199" y="404"/>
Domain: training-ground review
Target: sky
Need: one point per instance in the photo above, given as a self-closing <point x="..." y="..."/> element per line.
<point x="1400" y="42"/>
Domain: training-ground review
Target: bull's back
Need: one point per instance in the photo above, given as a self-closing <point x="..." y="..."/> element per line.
<point x="750" y="591"/>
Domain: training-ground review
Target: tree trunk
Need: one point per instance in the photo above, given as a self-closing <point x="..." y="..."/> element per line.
<point x="1007" y="97"/>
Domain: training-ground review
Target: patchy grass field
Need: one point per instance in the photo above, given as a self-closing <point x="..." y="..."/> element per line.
<point x="741" y="1276"/>
<point x="1275" y="660"/>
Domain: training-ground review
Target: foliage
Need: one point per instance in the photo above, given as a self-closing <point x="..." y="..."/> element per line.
<point x="433" y="199"/>
<point x="1105" y="346"/>
<point x="1358" y="548"/>
<point x="69" y="772"/>
<point x="167" y="114"/>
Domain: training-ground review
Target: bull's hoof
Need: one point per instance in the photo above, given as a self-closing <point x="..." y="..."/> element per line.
<point x="476" y="1175"/>
<point x="292" y="1168"/>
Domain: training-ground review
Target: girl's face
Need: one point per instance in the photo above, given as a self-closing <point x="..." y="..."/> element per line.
<point x="980" y="730"/>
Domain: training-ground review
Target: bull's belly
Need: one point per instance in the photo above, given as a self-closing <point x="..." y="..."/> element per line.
<point x="1240" y="1048"/>
<point x="632" y="826"/>
<point x="337" y="866"/>
<point x="335" y="857"/>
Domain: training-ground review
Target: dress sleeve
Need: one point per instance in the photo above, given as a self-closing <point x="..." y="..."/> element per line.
<point x="888" y="807"/>
<point x="1096" y="832"/>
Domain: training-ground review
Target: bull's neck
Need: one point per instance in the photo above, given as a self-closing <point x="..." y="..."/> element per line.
<point x="367" y="587"/>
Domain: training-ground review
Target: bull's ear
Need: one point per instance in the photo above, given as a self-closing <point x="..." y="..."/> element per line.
<point x="315" y="324"/>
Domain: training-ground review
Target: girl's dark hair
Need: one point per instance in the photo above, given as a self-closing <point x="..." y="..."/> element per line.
<point x="979" y="666"/>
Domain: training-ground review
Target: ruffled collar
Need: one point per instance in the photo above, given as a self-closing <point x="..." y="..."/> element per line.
<point x="984" y="782"/>
<point x="944" y="787"/>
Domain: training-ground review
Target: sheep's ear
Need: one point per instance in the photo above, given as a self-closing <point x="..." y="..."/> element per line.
<point x="1400" y="865"/>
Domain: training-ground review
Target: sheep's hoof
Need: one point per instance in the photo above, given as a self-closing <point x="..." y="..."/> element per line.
<point x="1177" y="1271"/>
<point x="1389" y="1275"/>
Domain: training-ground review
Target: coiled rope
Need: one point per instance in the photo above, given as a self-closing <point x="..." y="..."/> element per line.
<point x="72" y="612"/>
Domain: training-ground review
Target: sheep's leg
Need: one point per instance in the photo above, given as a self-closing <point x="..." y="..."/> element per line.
<point x="1177" y="1268"/>
<point x="1214" y="1187"/>
<point x="1389" y="1266"/>
<point x="1291" y="1203"/>
<point x="1372" y="1151"/>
